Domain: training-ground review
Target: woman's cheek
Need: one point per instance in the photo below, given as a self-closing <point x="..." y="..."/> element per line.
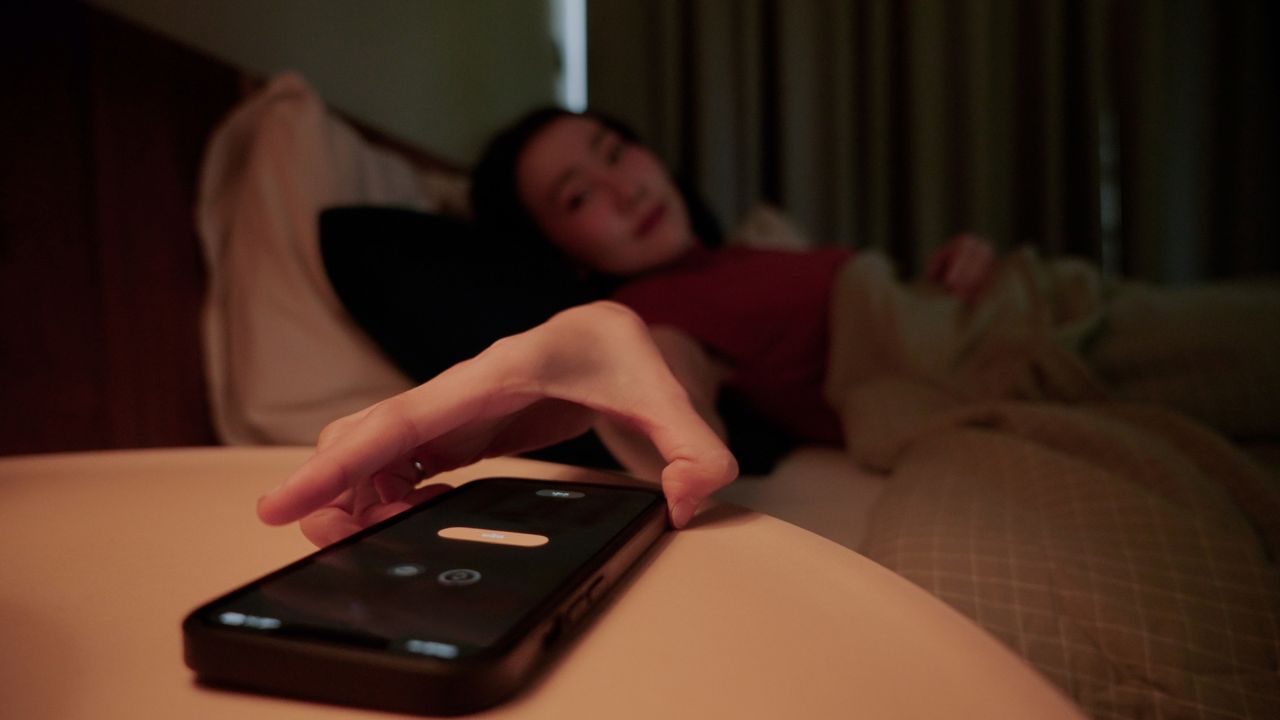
<point x="592" y="234"/>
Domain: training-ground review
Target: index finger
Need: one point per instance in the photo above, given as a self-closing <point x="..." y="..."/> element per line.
<point x="388" y="432"/>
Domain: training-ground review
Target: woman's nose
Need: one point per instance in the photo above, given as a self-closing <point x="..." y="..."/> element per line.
<point x="627" y="192"/>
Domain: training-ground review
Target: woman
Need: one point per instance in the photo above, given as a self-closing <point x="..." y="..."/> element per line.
<point x="585" y="186"/>
<point x="754" y="321"/>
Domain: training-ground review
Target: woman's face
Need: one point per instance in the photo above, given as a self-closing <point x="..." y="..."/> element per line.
<point x="604" y="201"/>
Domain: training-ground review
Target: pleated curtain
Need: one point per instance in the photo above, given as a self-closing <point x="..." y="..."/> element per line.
<point x="1141" y="134"/>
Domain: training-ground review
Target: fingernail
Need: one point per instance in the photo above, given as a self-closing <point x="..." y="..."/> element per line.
<point x="682" y="513"/>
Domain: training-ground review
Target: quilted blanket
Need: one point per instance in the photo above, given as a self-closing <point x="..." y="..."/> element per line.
<point x="1124" y="548"/>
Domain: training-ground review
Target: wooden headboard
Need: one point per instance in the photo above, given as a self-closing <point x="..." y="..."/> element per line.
<point x="101" y="277"/>
<point x="101" y="273"/>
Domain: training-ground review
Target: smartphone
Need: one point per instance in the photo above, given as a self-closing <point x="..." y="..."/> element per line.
<point x="447" y="608"/>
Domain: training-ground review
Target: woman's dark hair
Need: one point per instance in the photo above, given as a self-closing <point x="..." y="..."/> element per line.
<point x="495" y="199"/>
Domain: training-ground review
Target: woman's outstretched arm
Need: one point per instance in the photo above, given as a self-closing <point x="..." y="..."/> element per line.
<point x="590" y="364"/>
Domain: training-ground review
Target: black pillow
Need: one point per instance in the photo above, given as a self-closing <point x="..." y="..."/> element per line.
<point x="432" y="292"/>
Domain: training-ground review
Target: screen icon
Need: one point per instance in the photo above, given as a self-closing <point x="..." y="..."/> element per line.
<point x="406" y="570"/>
<point x="458" y="577"/>
<point x="562" y="494"/>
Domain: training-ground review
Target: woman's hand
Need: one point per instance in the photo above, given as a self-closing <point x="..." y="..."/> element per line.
<point x="963" y="266"/>
<point x="588" y="364"/>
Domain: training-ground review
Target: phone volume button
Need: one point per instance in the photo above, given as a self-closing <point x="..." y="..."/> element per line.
<point x="593" y="590"/>
<point x="574" y="613"/>
<point x="557" y="629"/>
<point x="577" y="609"/>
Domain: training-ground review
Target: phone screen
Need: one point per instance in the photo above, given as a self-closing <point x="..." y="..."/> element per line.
<point x="446" y="579"/>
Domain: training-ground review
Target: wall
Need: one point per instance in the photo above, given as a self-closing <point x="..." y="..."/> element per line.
<point x="442" y="74"/>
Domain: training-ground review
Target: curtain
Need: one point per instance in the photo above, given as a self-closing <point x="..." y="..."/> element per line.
<point x="1140" y="134"/>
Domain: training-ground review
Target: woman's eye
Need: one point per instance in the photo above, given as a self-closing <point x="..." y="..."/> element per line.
<point x="614" y="153"/>
<point x="576" y="200"/>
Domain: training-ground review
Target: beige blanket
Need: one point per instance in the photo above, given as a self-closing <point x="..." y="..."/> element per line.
<point x="1123" y="549"/>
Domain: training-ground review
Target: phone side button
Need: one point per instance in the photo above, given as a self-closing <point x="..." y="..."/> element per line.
<point x="557" y="629"/>
<point x="594" y="589"/>
<point x="577" y="609"/>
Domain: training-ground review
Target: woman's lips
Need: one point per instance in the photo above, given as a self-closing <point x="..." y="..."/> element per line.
<point x="651" y="220"/>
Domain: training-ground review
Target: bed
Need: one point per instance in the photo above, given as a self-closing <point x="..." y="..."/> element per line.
<point x="1125" y="551"/>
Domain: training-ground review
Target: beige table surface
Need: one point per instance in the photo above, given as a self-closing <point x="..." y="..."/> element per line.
<point x="739" y="616"/>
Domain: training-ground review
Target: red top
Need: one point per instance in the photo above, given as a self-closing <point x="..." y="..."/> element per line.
<point x="763" y="312"/>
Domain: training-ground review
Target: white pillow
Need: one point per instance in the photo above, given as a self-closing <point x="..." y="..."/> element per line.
<point x="282" y="357"/>
<point x="765" y="227"/>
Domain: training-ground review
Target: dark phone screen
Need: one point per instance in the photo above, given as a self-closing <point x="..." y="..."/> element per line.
<point x="405" y="587"/>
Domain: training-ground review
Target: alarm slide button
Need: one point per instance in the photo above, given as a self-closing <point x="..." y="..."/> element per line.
<point x="496" y="537"/>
